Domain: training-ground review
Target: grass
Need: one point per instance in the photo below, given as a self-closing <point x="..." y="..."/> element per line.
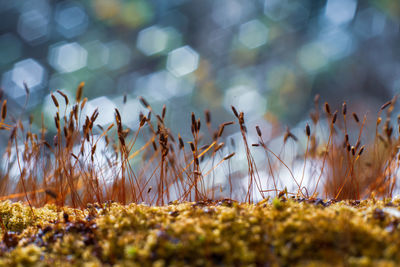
<point x="69" y="174"/>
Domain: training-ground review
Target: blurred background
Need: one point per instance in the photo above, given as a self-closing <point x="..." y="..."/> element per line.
<point x="268" y="58"/>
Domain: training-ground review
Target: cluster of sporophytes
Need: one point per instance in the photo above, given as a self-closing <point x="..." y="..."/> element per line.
<point x="69" y="169"/>
<point x="83" y="205"/>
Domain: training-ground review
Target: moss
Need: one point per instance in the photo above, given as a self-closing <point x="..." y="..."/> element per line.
<point x="23" y="256"/>
<point x="17" y="216"/>
<point x="280" y="233"/>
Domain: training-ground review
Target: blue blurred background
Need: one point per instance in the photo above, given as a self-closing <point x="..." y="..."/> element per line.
<point x="268" y="58"/>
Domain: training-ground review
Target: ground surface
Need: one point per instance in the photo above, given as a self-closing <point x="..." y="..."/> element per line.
<point x="224" y="233"/>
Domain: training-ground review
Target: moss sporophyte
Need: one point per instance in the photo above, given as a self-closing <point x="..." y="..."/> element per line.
<point x="80" y="193"/>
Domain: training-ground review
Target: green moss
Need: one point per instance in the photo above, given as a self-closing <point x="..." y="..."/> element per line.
<point x="280" y="233"/>
<point x="276" y="203"/>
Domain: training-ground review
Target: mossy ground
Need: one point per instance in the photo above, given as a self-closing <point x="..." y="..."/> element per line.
<point x="225" y="233"/>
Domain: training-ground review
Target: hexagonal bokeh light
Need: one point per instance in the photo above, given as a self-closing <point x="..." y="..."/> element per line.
<point x="33" y="26"/>
<point x="253" y="34"/>
<point x="182" y="61"/>
<point x="71" y="19"/>
<point x="340" y="11"/>
<point x="27" y="71"/>
<point x="311" y="57"/>
<point x="68" y="57"/>
<point x="152" y="40"/>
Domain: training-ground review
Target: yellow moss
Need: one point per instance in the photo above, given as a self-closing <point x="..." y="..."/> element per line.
<point x="23" y="256"/>
<point x="280" y="232"/>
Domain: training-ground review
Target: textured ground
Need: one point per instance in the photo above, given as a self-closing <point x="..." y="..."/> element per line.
<point x="225" y="233"/>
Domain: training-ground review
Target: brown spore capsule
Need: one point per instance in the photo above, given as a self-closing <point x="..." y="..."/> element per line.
<point x="258" y="131"/>
<point x="308" y="130"/>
